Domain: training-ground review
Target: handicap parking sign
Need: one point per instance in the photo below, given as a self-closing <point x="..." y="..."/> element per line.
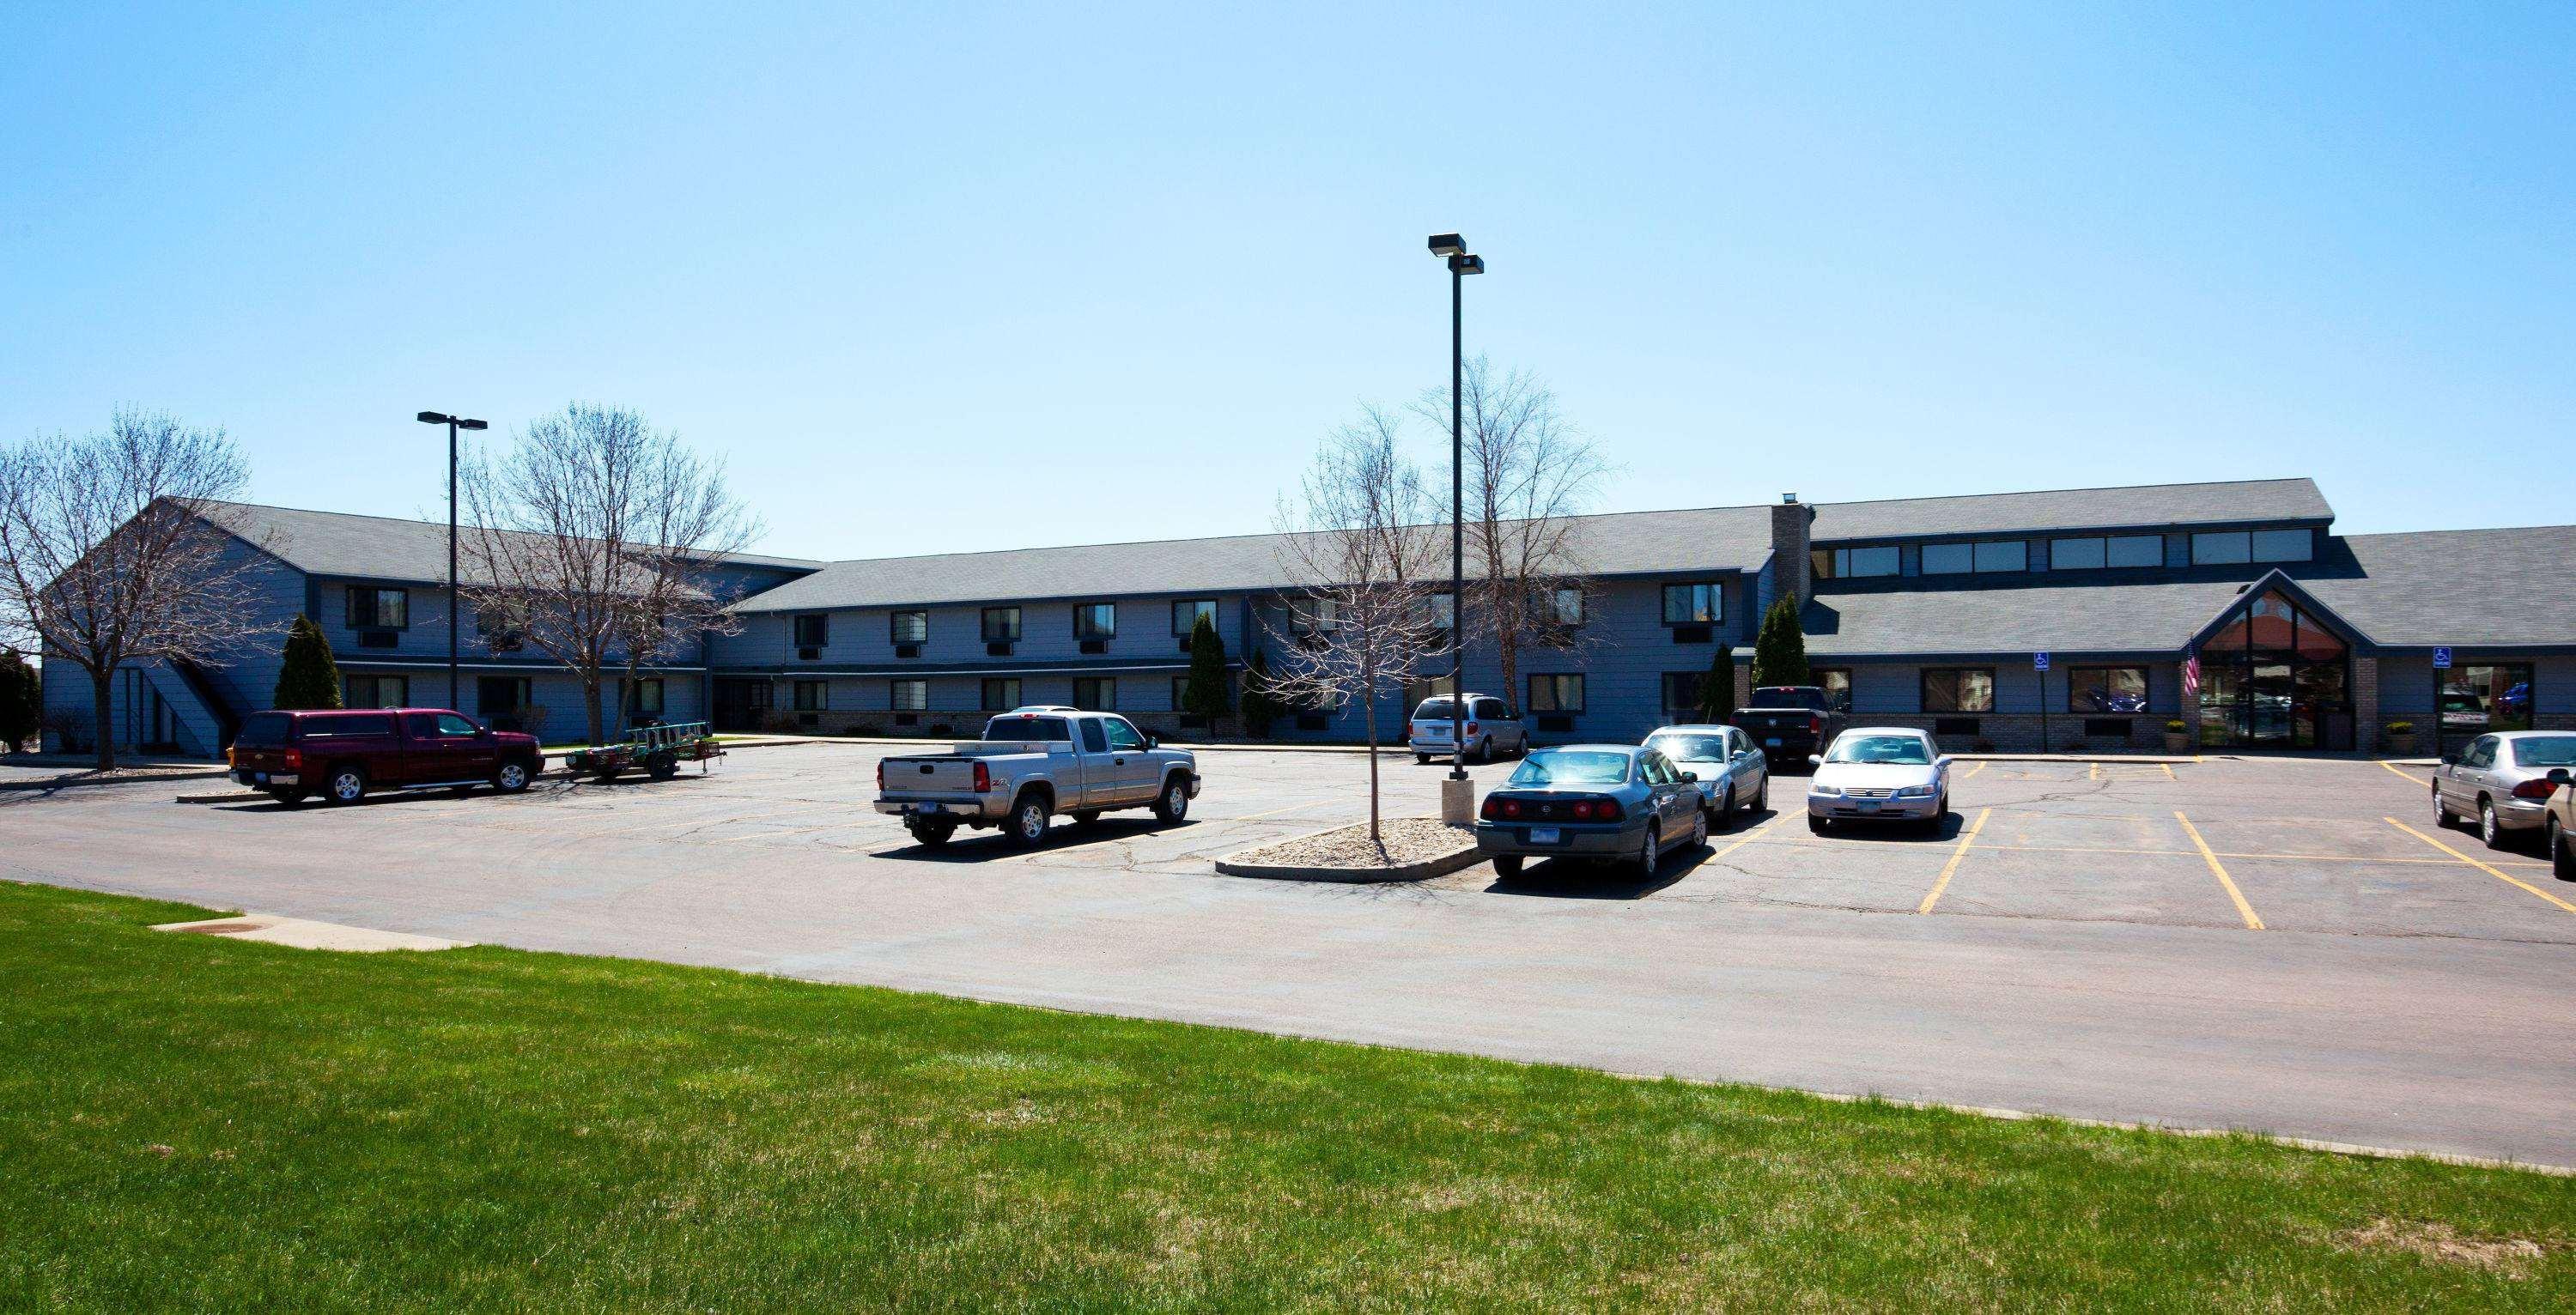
<point x="2441" y="659"/>
<point x="2039" y="661"/>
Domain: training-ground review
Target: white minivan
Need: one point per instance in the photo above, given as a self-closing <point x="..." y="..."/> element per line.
<point x="1493" y="727"/>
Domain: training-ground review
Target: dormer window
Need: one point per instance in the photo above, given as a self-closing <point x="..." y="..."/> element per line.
<point x="2096" y="552"/>
<point x="1853" y="563"/>
<point x="2229" y="547"/>
<point x="1982" y="557"/>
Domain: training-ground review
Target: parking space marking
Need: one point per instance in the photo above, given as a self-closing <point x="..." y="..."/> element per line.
<point x="1761" y="833"/>
<point x="2495" y="872"/>
<point x="2403" y="772"/>
<point x="1255" y="817"/>
<point x="1951" y="868"/>
<point x="1972" y="770"/>
<point x="2169" y="771"/>
<point x="2219" y="869"/>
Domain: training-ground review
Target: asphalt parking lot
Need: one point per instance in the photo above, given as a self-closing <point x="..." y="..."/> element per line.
<point x="2283" y="945"/>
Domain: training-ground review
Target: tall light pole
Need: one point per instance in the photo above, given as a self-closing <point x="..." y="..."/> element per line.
<point x="453" y="424"/>
<point x="1454" y="248"/>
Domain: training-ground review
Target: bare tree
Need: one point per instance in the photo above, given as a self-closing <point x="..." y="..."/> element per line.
<point x="1528" y="473"/>
<point x="1359" y="544"/>
<point x="116" y="548"/>
<point x="588" y="538"/>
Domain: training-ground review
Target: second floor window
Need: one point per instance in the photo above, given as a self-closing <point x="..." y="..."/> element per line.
<point x="1985" y="555"/>
<point x="1314" y="616"/>
<point x="1186" y="614"/>
<point x="1854" y="563"/>
<point x="1095" y="620"/>
<point x="813" y="631"/>
<point x="1002" y="626"/>
<point x="1565" y="608"/>
<point x="2092" y="553"/>
<point x="379" y="609"/>
<point x="908" y="627"/>
<point x="1691" y="605"/>
<point x="503" y="629"/>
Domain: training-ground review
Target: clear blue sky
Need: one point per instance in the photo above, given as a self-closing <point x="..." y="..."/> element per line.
<point x="903" y="264"/>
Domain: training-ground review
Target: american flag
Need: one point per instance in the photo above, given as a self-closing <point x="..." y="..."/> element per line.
<point x="2190" y="673"/>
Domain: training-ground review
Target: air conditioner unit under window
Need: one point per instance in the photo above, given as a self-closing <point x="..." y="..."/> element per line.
<point x="809" y="654"/>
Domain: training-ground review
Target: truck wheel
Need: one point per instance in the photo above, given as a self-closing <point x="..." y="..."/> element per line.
<point x="345" y="785"/>
<point x="511" y="778"/>
<point x="1028" y="825"/>
<point x="662" y="766"/>
<point x="1507" y="866"/>
<point x="1174" y="803"/>
<point x="931" y="835"/>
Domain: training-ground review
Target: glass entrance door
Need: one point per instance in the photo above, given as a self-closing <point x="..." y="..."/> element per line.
<point x="2271" y="691"/>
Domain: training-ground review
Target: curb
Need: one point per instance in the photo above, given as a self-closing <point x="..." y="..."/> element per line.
<point x="1430" y="867"/>
<point x="155" y="779"/>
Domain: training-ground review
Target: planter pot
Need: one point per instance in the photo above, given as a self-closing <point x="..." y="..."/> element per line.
<point x="2177" y="742"/>
<point x="2401" y="745"/>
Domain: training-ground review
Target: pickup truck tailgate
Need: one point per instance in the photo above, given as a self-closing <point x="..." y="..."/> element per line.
<point x="941" y="777"/>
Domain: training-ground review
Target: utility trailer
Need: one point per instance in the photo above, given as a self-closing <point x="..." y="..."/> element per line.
<point x="657" y="749"/>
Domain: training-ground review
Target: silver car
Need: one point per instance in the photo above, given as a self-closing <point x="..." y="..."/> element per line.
<point x="1493" y="727"/>
<point x="1619" y="802"/>
<point x="1732" y="773"/>
<point x="1879" y="774"/>
<point x="2502" y="781"/>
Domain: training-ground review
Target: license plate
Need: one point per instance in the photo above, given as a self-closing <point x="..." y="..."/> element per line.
<point x="927" y="808"/>
<point x="1869" y="805"/>
<point x="1543" y="835"/>
<point x="1773" y="742"/>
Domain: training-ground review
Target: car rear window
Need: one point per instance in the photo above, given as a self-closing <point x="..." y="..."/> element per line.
<point x="1571" y="767"/>
<point x="265" y="730"/>
<point x="1689" y="746"/>
<point x="2546" y="751"/>
<point x="1432" y="710"/>
<point x="350" y="726"/>
<point x="1010" y="729"/>
<point x="1788" y="696"/>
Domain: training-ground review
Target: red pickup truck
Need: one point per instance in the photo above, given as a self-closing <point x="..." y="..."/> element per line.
<point x="345" y="756"/>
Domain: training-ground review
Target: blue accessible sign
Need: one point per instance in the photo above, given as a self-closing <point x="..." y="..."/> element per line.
<point x="2039" y="661"/>
<point x="2441" y="659"/>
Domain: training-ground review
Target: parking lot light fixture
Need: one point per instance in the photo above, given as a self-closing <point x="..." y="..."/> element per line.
<point x="453" y="423"/>
<point x="1461" y="264"/>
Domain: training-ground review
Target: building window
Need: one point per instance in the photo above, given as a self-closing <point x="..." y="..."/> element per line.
<point x="1314" y="616"/>
<point x="1836" y="682"/>
<point x="1985" y="556"/>
<point x="1556" y="694"/>
<point x="1095" y="693"/>
<point x="813" y="631"/>
<point x="908" y="627"/>
<point x="1001" y="693"/>
<point x="2229" y="547"/>
<point x="379" y="609"/>
<point x="503" y="628"/>
<point x="1959" y="689"/>
<point x="648" y="696"/>
<point x="2106" y="689"/>
<point x="2283" y="545"/>
<point x="1002" y="626"/>
<point x="908" y="695"/>
<point x="1681" y="694"/>
<point x="375" y="691"/>
<point x="1565" y="608"/>
<point x="1186" y="613"/>
<point x="496" y="697"/>
<point x="1693" y="605"/>
<point x="813" y="696"/>
<point x="2094" y="552"/>
<point x="2487" y="697"/>
<point x="1444" y="611"/>
<point x="1095" y="620"/>
<point x="1180" y="692"/>
<point x="1853" y="563"/>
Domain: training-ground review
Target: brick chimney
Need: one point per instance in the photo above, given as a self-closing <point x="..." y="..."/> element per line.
<point x="1790" y="571"/>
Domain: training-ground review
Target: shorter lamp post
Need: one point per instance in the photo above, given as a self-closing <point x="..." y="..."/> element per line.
<point x="453" y="424"/>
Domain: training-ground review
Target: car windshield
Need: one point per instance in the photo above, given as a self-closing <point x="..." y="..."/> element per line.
<point x="1906" y="749"/>
<point x="1572" y="767"/>
<point x="2546" y="751"/>
<point x="1689" y="748"/>
<point x="1432" y="710"/>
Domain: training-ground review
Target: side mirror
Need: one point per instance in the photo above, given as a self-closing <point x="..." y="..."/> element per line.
<point x="1815" y="760"/>
<point x="2558" y="776"/>
<point x="1693" y="776"/>
<point x="1942" y="761"/>
<point x="1153" y="743"/>
<point x="2450" y="760"/>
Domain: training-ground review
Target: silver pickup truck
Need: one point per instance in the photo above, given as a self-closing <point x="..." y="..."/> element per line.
<point x="1033" y="763"/>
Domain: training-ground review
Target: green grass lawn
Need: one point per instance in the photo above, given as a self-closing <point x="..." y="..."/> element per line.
<point x="186" y="1121"/>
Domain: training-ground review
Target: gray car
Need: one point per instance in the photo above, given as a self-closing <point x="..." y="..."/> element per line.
<point x="2502" y="781"/>
<point x="1620" y="802"/>
<point x="1732" y="773"/>
<point x="1879" y="774"/>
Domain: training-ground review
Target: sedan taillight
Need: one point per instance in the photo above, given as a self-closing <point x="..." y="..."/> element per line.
<point x="2533" y="790"/>
<point x="1596" y="810"/>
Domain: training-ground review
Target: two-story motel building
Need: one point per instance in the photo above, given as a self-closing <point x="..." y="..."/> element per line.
<point x="2233" y="607"/>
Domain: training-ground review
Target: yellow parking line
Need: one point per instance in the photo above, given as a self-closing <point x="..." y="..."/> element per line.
<point x="2168" y="771"/>
<point x="1972" y="770"/>
<point x="1255" y="817"/>
<point x="2494" y="872"/>
<point x="1759" y="833"/>
<point x="2402" y="772"/>
<point x="2093" y="773"/>
<point x="1966" y="839"/>
<point x="2243" y="909"/>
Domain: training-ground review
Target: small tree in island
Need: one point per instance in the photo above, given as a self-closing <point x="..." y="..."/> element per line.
<point x="1780" y="650"/>
<point x="307" y="678"/>
<point x="1204" y="694"/>
<point x="1360" y="545"/>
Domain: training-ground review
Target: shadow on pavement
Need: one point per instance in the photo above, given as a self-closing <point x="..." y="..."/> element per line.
<point x="990" y="846"/>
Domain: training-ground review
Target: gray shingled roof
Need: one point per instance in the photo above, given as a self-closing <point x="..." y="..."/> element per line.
<point x="1625" y="543"/>
<point x="336" y="543"/>
<point x="2390" y="590"/>
<point x="2136" y="507"/>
